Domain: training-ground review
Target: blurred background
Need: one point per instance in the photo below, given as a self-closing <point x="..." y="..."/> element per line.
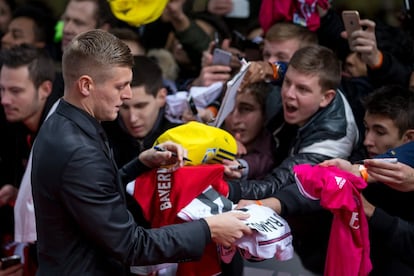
<point x="386" y="10"/>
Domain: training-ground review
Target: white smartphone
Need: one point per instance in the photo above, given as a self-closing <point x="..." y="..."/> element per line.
<point x="351" y="21"/>
<point x="388" y="160"/>
<point x="221" y="57"/>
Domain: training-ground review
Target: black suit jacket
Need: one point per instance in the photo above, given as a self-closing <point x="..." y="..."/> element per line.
<point x="83" y="225"/>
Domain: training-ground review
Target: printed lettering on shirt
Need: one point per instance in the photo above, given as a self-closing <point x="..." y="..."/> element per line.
<point x="164" y="189"/>
<point x="354" y="221"/>
<point x="268" y="225"/>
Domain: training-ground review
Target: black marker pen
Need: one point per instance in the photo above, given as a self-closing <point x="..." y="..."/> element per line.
<point x="158" y="148"/>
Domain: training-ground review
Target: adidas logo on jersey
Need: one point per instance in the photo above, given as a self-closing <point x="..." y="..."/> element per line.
<point x="340" y="181"/>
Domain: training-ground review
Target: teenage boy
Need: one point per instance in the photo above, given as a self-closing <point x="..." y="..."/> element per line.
<point x="389" y="122"/>
<point x="141" y="119"/>
<point x="314" y="124"/>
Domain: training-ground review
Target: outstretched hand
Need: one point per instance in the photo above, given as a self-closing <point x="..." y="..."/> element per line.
<point x="342" y="164"/>
<point x="258" y="71"/>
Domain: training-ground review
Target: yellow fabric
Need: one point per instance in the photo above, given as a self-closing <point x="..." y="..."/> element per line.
<point x="137" y="12"/>
<point x="205" y="144"/>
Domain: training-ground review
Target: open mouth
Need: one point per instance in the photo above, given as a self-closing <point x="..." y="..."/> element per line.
<point x="290" y="108"/>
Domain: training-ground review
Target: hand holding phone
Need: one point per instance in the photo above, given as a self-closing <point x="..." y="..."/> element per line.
<point x="221" y="57"/>
<point x="388" y="160"/>
<point x="351" y="22"/>
<point x="10" y="261"/>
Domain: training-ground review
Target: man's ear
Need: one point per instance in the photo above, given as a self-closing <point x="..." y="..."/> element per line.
<point x="45" y="89"/>
<point x="327" y="97"/>
<point x="408" y="135"/>
<point x="85" y="85"/>
<point x="161" y="97"/>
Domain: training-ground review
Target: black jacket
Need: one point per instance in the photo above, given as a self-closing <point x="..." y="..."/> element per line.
<point x="83" y="225"/>
<point x="391" y="230"/>
<point x="394" y="43"/>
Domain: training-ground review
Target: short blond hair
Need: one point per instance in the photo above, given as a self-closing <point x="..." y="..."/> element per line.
<point x="282" y="31"/>
<point x="93" y="53"/>
<point x="321" y="61"/>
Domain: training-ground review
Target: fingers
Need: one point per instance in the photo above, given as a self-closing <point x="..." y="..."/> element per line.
<point x="364" y="41"/>
<point x="231" y="173"/>
<point x="381" y="164"/>
<point x="330" y="162"/>
<point x="244" y="202"/>
<point x="225" y="45"/>
<point x="240" y="215"/>
<point x="177" y="151"/>
<point x="167" y="153"/>
<point x="237" y="228"/>
<point x="215" y="73"/>
<point x="368" y="24"/>
<point x="226" y="228"/>
<point x="211" y="47"/>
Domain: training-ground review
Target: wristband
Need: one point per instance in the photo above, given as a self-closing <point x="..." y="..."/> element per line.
<point x="213" y="110"/>
<point x="275" y="70"/>
<point x="279" y="70"/>
<point x="379" y="64"/>
<point x="363" y="172"/>
<point x="259" y="202"/>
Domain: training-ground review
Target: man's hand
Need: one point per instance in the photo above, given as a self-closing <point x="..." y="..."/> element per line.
<point x="271" y="202"/>
<point x="232" y="169"/>
<point x="8" y="194"/>
<point x="173" y="154"/>
<point x="228" y="227"/>
<point x="258" y="71"/>
<point x="342" y="164"/>
<point x="398" y="176"/>
<point x="174" y="13"/>
<point x="364" y="43"/>
<point x="210" y="74"/>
